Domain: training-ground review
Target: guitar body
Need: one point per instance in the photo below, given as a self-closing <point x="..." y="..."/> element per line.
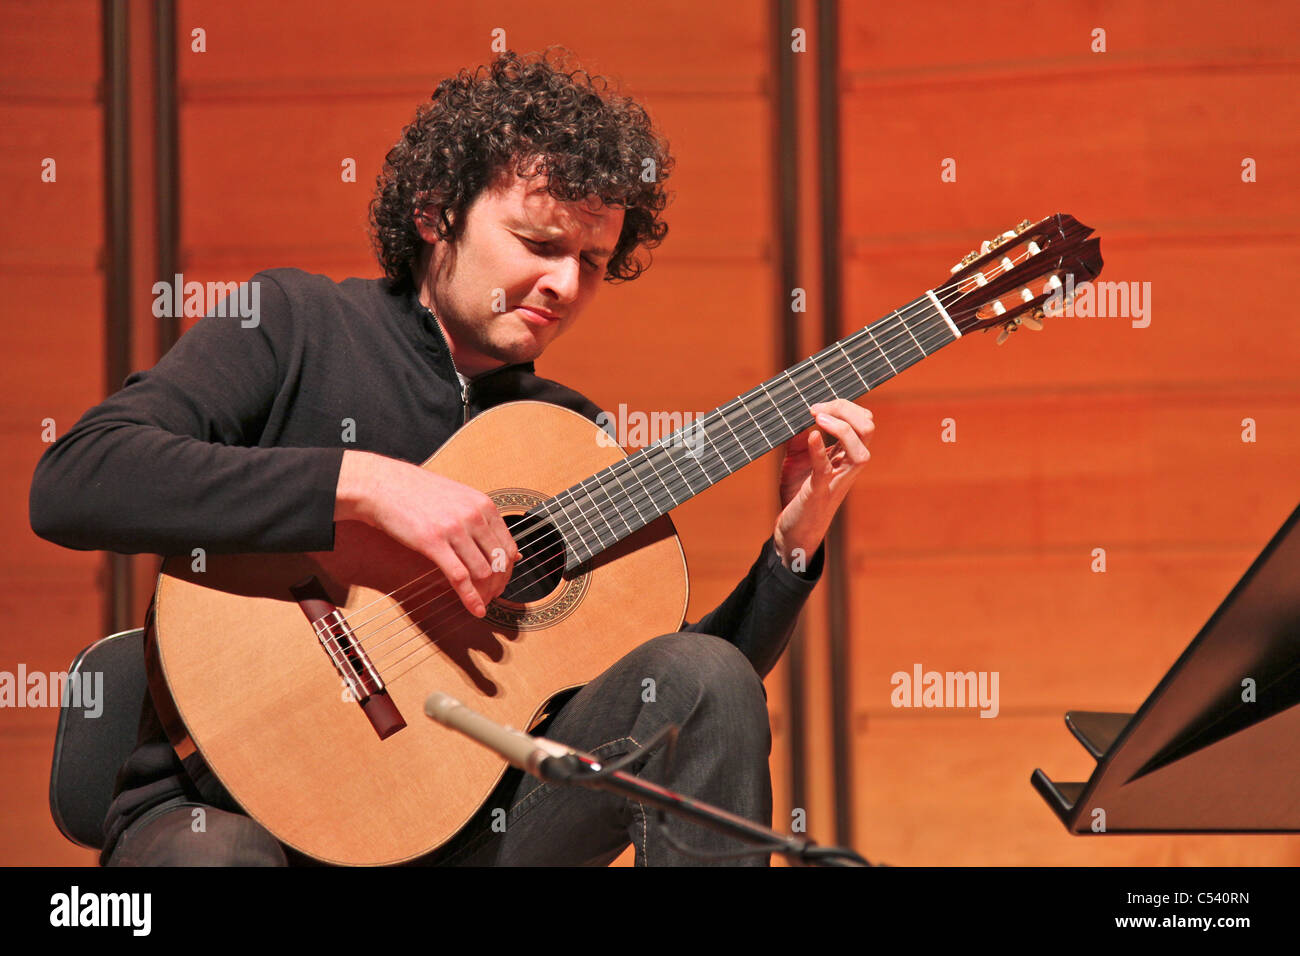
<point x="239" y="673"/>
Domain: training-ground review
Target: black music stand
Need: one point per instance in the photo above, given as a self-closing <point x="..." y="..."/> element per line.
<point x="1197" y="758"/>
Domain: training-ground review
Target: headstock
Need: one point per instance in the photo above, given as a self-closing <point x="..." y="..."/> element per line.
<point x="1009" y="278"/>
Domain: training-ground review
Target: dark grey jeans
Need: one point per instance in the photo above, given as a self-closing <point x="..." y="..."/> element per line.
<point x="701" y="683"/>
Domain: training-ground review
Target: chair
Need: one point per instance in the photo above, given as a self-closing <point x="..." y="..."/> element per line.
<point x="89" y="751"/>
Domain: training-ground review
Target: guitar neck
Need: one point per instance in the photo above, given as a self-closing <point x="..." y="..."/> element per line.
<point x="604" y="509"/>
<point x="635" y="491"/>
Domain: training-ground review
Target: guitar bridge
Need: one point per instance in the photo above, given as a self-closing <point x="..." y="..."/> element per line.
<point x="349" y="657"/>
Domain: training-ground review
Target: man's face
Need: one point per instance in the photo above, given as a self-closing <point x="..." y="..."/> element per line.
<point x="523" y="268"/>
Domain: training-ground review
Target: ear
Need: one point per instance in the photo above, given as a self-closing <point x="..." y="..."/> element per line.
<point x="425" y="219"/>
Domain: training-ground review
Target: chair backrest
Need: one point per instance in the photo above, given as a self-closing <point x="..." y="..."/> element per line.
<point x="90" y="750"/>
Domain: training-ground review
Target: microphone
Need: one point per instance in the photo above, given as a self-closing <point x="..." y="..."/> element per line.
<point x="536" y="755"/>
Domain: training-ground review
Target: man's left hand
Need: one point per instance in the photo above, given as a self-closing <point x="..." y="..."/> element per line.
<point x="815" y="479"/>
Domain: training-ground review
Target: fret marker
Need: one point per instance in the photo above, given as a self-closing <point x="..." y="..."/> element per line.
<point x="944" y="312"/>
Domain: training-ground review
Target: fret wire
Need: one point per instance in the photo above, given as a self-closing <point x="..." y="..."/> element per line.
<point x="573" y="498"/>
<point x="600" y="484"/>
<point x="636" y="460"/>
<point x="880" y="375"/>
<point x="817" y="366"/>
<point x="673" y="461"/>
<point x="796" y="389"/>
<point x="596" y="506"/>
<point x="723" y="415"/>
<point x="631" y="466"/>
<point x="697" y="454"/>
<point x="872" y="336"/>
<point x="600" y="511"/>
<point x="813" y="363"/>
<point x="631" y="496"/>
<point x="671" y="497"/>
<point x="903" y="322"/>
<point x="627" y="495"/>
<point x="924" y="316"/>
<point x="763" y="386"/>
<point x="843" y="367"/>
<point x="745" y="405"/>
<point x="578" y="540"/>
<point x="893" y="337"/>
<point x="695" y="451"/>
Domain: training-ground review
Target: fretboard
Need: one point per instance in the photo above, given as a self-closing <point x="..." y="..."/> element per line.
<point x="625" y="497"/>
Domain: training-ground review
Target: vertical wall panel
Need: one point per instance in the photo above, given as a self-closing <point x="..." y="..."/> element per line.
<point x="50" y="271"/>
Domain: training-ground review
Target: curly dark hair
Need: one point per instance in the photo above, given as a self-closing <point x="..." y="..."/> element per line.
<point x="590" y="142"/>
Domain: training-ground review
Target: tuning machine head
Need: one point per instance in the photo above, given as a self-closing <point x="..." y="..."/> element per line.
<point x="990" y="244"/>
<point x="1030" y="320"/>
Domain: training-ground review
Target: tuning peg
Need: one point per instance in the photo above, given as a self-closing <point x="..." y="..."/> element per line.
<point x="1032" y="320"/>
<point x="965" y="261"/>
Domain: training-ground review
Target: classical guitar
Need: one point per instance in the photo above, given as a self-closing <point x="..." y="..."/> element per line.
<point x="301" y="678"/>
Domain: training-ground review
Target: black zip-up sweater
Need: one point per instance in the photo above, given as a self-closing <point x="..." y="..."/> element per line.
<point x="234" y="440"/>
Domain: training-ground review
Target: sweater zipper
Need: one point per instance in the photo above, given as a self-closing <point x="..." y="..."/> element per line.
<point x="464" y="388"/>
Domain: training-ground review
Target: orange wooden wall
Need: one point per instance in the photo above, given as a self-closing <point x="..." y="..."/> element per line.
<point x="966" y="555"/>
<point x="976" y="555"/>
<point x="53" y="289"/>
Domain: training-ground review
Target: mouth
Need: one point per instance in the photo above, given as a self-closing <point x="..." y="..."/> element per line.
<point x="536" y="316"/>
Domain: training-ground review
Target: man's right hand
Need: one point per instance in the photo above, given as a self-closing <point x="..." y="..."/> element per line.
<point x="455" y="526"/>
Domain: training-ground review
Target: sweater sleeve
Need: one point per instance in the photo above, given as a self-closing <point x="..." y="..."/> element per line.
<point x="171" y="461"/>
<point x="759" y="615"/>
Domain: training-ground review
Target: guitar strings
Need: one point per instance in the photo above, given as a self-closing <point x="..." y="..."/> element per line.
<point x="672" y="485"/>
<point x="424" y="623"/>
<point x="549" y="559"/>
<point x="767" y="417"/>
<point x="722" y="413"/>
<point x="389" y="664"/>
<point x="541" y="518"/>
<point x="836" y="373"/>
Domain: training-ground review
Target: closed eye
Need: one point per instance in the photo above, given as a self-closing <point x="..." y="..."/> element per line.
<point x="542" y="245"/>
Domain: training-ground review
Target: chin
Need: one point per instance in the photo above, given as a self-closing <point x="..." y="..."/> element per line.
<point x="518" y="352"/>
<point x="531" y="345"/>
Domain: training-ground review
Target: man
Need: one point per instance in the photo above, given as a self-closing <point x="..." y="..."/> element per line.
<point x="504" y="205"/>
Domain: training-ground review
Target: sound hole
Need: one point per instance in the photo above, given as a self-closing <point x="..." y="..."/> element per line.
<point x="538" y="572"/>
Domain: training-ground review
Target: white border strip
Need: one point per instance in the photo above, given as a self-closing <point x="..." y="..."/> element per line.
<point x="944" y="312"/>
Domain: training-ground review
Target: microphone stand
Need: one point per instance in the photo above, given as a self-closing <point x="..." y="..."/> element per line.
<point x="583" y="770"/>
<point x="557" y="763"/>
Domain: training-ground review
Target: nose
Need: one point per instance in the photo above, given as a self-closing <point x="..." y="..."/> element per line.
<point x="562" y="279"/>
